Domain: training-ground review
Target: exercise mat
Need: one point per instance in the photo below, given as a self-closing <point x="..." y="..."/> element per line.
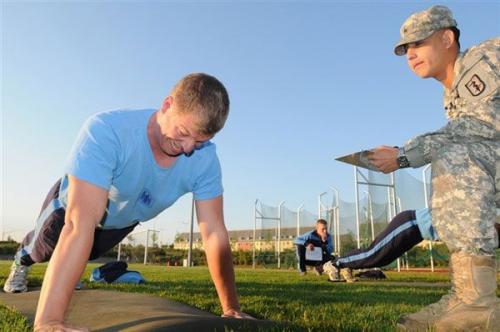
<point x="106" y="310"/>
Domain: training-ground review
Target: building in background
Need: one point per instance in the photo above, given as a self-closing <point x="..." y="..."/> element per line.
<point x="243" y="239"/>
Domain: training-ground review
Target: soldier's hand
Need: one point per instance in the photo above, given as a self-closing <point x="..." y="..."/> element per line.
<point x="385" y="158"/>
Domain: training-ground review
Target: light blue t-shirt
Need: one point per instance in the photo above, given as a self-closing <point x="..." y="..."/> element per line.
<point x="112" y="151"/>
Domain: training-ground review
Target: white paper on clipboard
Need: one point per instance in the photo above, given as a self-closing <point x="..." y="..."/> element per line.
<point x="314" y="255"/>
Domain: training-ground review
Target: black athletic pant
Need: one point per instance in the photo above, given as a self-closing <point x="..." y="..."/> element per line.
<point x="39" y="244"/>
<point x="401" y="235"/>
<point x="301" y="257"/>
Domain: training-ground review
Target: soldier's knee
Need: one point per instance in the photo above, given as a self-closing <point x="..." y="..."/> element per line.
<point x="404" y="216"/>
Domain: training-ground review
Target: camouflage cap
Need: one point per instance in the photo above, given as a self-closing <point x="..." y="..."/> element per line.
<point x="423" y="24"/>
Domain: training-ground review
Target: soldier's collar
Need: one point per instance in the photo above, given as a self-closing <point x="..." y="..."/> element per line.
<point x="457" y="70"/>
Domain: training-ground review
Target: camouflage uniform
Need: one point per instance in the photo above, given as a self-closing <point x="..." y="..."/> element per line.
<point x="465" y="181"/>
<point x="463" y="154"/>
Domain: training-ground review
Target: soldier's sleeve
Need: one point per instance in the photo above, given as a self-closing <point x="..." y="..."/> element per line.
<point x="419" y="149"/>
<point x="479" y="90"/>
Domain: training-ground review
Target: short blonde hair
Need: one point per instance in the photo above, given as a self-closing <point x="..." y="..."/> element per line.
<point x="205" y="96"/>
<point x="321" y="221"/>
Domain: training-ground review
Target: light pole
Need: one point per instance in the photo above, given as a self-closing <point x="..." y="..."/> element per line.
<point x="356" y="190"/>
<point x="254" y="232"/>
<point x="279" y="233"/>
<point x="426" y="198"/>
<point x="190" y="250"/>
<point x="319" y="203"/>
<point x="370" y="209"/>
<point x="298" y="218"/>
<point x="336" y="220"/>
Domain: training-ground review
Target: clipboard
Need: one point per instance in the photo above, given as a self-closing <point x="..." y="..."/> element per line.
<point x="314" y="255"/>
<point x="359" y="159"/>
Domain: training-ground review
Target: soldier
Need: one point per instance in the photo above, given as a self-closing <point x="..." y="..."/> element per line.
<point x="465" y="171"/>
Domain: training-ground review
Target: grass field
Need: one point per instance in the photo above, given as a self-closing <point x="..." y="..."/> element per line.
<point x="307" y="303"/>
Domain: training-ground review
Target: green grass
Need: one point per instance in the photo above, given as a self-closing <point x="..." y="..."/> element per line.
<point x="307" y="303"/>
<point x="10" y="320"/>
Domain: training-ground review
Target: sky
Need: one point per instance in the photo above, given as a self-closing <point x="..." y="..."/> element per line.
<point x="308" y="81"/>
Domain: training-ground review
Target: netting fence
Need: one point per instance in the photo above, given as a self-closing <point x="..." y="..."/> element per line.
<point x="275" y="229"/>
<point x="378" y="199"/>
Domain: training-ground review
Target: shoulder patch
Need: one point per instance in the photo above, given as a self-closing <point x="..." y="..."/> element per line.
<point x="475" y="85"/>
<point x="477" y="82"/>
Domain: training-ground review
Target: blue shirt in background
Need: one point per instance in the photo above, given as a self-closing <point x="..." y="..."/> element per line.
<point x="315" y="239"/>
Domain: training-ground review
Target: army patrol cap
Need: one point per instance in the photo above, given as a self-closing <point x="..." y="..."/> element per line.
<point x="422" y="25"/>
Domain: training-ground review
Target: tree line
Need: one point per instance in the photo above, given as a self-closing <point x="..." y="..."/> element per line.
<point x="167" y="255"/>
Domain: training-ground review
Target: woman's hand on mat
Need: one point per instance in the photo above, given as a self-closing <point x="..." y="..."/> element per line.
<point x="385" y="158"/>
<point x="58" y="327"/>
<point x="231" y="313"/>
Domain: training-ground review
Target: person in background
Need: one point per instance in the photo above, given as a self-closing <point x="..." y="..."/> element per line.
<point x="317" y="238"/>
